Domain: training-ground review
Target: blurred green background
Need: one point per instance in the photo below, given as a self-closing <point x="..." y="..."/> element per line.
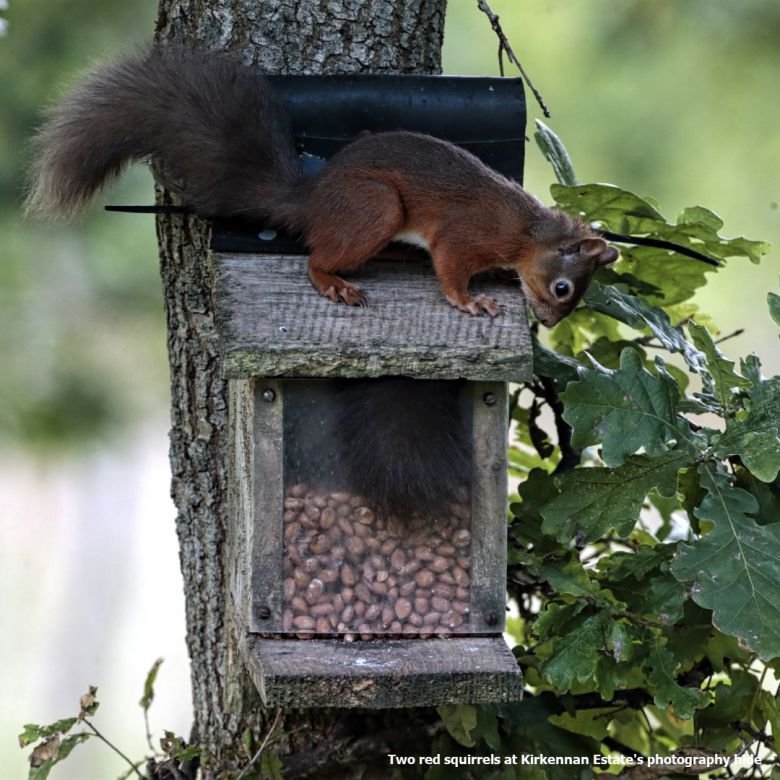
<point x="674" y="99"/>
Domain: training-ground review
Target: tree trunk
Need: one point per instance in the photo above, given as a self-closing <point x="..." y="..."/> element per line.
<point x="279" y="36"/>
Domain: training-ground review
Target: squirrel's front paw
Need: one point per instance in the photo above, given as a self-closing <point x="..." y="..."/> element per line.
<point x="336" y="289"/>
<point x="480" y="305"/>
<point x="347" y="293"/>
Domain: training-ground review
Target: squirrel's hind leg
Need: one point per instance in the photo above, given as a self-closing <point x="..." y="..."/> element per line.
<point x="365" y="215"/>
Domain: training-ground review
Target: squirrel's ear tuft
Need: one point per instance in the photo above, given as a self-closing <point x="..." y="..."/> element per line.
<point x="609" y="255"/>
<point x="598" y="250"/>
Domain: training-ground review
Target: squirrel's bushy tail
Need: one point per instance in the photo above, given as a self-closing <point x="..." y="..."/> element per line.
<point x="211" y="124"/>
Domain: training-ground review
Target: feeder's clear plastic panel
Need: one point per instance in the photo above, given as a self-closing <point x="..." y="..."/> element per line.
<point x="350" y="567"/>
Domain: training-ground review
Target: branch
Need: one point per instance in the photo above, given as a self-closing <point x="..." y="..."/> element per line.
<point x="503" y="46"/>
<point x="539" y="439"/>
<point x="570" y="456"/>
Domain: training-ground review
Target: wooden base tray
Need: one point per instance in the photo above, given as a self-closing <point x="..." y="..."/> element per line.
<point x="382" y="673"/>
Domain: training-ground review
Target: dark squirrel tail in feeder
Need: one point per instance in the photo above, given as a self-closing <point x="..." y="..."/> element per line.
<point x="406" y="446"/>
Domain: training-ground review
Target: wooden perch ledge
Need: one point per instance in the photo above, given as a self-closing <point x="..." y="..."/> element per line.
<point x="273" y="323"/>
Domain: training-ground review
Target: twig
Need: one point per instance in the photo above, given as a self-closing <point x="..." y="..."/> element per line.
<point x="503" y="46"/>
<point x="737" y="332"/>
<point x="148" y="731"/>
<point x="113" y="747"/>
<point x="256" y="756"/>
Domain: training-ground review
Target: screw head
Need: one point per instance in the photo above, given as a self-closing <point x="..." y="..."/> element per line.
<point x="268" y="395"/>
<point x="489" y="399"/>
<point x="491" y="618"/>
<point x="263" y="612"/>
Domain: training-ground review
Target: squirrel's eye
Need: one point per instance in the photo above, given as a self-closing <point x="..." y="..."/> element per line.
<point x="561" y="289"/>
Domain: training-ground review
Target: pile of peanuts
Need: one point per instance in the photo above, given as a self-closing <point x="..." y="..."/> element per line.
<point x="350" y="572"/>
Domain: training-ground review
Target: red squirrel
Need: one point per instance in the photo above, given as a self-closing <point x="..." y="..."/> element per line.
<point x="214" y="129"/>
<point x="218" y="137"/>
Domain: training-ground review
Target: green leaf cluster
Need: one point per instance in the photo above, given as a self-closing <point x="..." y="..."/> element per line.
<point x="644" y="559"/>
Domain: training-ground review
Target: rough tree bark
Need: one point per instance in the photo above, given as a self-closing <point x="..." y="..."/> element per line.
<point x="278" y="36"/>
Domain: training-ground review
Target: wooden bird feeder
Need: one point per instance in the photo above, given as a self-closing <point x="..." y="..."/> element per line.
<point x="335" y="604"/>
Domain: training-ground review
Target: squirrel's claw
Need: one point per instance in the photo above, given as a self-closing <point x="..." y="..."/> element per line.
<point x="352" y="295"/>
<point x="480" y="305"/>
<point x="347" y="293"/>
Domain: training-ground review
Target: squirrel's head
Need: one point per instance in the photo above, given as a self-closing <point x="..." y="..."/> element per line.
<point x="561" y="275"/>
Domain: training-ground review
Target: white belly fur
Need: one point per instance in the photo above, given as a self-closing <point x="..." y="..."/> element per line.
<point x="410" y="237"/>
